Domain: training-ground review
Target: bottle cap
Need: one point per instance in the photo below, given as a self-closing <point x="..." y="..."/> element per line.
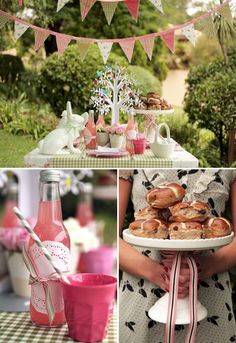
<point x="50" y="175"/>
<point x="87" y="187"/>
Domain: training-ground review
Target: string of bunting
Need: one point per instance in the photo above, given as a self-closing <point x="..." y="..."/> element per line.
<point x="108" y="7"/>
<point x="202" y="23"/>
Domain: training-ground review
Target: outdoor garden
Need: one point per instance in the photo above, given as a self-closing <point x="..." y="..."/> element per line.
<point x="35" y="86"/>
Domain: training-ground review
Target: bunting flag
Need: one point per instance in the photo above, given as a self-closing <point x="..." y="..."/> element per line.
<point x="128" y="47"/>
<point x="158" y="5"/>
<point x="206" y="26"/>
<point x="105" y="48"/>
<point x="40" y="37"/>
<point x="83" y="49"/>
<point x="169" y="39"/>
<point x="20" y="2"/>
<point x="85" y="7"/>
<point x="19" y="29"/>
<point x="189" y="33"/>
<point x="226" y="12"/>
<point x="109" y="10"/>
<point x="61" y="4"/>
<point x="3" y="21"/>
<point x="148" y="44"/>
<point x="62" y="43"/>
<point x="133" y="6"/>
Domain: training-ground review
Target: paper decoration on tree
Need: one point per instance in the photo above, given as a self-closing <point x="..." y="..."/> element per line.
<point x="40" y="37"/>
<point x="19" y="29"/>
<point x="109" y="10"/>
<point x="85" y="7"/>
<point x="114" y="90"/>
<point x="62" y="43"/>
<point x="3" y="21"/>
<point x="105" y="48"/>
<point x="61" y="4"/>
<point x="133" y="6"/>
<point x="189" y="33"/>
<point x="148" y="44"/>
<point x="83" y="49"/>
<point x="226" y="12"/>
<point x="157" y="4"/>
<point x="128" y="47"/>
<point x="169" y="39"/>
<point x="206" y="26"/>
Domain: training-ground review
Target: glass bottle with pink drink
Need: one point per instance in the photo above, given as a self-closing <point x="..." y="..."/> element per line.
<point x="100" y="121"/>
<point x="53" y="234"/>
<point x="85" y="214"/>
<point x="90" y="132"/>
<point x="9" y="219"/>
<point x="130" y="133"/>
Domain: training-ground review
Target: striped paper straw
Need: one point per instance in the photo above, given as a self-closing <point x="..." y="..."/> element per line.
<point x="40" y="244"/>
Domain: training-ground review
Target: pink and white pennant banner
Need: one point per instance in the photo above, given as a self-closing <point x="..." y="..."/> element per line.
<point x="19" y="29"/>
<point x="133" y="6"/>
<point x="83" y="49"/>
<point x="157" y="4"/>
<point x="40" y="37"/>
<point x="62" y="43"/>
<point x="169" y="39"/>
<point x="61" y="4"/>
<point x="105" y="48"/>
<point x="109" y="10"/>
<point x="85" y="7"/>
<point x="128" y="47"/>
<point x="189" y="33"/>
<point x="3" y="21"/>
<point x="20" y="2"/>
<point x="148" y="44"/>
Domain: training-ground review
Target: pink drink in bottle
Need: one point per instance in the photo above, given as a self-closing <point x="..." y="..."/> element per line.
<point x="53" y="234"/>
<point x="90" y="132"/>
<point x="101" y="121"/>
<point x="85" y="214"/>
<point x="130" y="133"/>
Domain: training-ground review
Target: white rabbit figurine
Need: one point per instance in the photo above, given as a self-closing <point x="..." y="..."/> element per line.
<point x="64" y="135"/>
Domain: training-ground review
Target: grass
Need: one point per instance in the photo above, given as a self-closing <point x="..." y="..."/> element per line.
<point x="13" y="148"/>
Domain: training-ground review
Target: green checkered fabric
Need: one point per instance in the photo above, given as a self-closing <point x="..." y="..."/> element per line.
<point x="147" y="160"/>
<point x="17" y="328"/>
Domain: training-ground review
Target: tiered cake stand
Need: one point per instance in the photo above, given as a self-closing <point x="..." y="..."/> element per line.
<point x="159" y="312"/>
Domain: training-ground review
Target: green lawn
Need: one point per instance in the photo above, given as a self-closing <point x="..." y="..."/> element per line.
<point x="13" y="148"/>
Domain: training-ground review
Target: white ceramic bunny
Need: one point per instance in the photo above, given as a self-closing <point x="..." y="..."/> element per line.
<point x="64" y="135"/>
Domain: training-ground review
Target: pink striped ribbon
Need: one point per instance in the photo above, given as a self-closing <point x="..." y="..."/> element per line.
<point x="173" y="297"/>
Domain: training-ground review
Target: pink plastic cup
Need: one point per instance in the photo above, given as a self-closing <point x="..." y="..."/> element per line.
<point x="99" y="260"/>
<point x="89" y="302"/>
<point x="139" y="145"/>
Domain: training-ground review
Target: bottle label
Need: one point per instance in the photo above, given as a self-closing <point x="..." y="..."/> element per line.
<point x="61" y="255"/>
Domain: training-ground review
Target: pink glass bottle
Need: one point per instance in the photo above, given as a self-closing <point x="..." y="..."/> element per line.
<point x="130" y="134"/>
<point x="90" y="132"/>
<point x="9" y="219"/>
<point x="53" y="234"/>
<point x="101" y="120"/>
<point x="85" y="214"/>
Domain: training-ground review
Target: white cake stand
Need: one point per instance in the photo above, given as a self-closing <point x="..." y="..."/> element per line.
<point x="153" y="112"/>
<point x="159" y="311"/>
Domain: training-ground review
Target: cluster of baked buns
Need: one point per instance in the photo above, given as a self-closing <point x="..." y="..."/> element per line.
<point x="168" y="217"/>
<point x="153" y="101"/>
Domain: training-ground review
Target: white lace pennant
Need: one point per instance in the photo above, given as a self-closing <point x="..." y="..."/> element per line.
<point x="19" y="29"/>
<point x="105" y="48"/>
<point x="61" y="4"/>
<point x="189" y="33"/>
<point x="158" y="5"/>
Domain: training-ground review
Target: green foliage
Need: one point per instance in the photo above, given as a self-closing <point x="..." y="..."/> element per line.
<point x="19" y="116"/>
<point x="210" y="99"/>
<point x="68" y="78"/>
<point x="10" y="68"/>
<point x="205" y="50"/>
<point x="146" y="81"/>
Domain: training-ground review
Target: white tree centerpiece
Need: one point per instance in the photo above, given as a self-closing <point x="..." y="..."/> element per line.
<point x="114" y="90"/>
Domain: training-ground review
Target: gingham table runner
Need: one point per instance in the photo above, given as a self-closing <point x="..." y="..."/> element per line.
<point x="180" y="158"/>
<point x="17" y="328"/>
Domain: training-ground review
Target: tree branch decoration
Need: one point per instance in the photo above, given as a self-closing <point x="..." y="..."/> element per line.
<point x="114" y="91"/>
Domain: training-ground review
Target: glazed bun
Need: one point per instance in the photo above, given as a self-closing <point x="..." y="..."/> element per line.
<point x="217" y="227"/>
<point x="147" y="213"/>
<point x="150" y="228"/>
<point x="165" y="196"/>
<point x="188" y="230"/>
<point x="196" y="211"/>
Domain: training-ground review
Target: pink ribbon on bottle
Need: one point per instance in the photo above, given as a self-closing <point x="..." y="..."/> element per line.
<point x="36" y="279"/>
<point x="173" y="296"/>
